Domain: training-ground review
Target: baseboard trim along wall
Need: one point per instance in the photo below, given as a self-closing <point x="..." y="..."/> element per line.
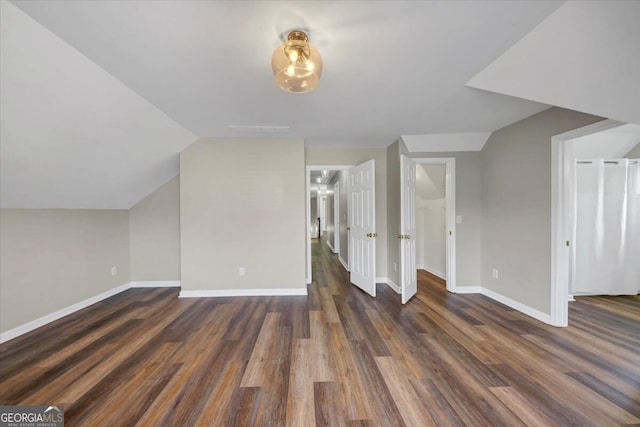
<point x="390" y="283"/>
<point x="437" y="273"/>
<point x="525" y="309"/>
<point x="29" y="326"/>
<point x="331" y="247"/>
<point x="243" y="292"/>
<point x="41" y="321"/>
<point x="156" y="284"/>
<point x="529" y="311"/>
<point x="344" y="264"/>
<point x="461" y="289"/>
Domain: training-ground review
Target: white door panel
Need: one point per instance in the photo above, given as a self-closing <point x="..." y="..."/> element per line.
<point x="362" y="243"/>
<point x="408" y="272"/>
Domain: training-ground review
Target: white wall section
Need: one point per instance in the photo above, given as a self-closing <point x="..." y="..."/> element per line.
<point x="242" y="206"/>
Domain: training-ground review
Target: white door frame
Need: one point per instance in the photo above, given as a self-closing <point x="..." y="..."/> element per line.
<point x="562" y="168"/>
<point x="450" y="196"/>
<point x="336" y="218"/>
<point x="308" y="209"/>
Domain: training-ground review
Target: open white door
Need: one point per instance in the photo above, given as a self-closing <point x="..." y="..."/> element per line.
<point x="408" y="273"/>
<point x="362" y="220"/>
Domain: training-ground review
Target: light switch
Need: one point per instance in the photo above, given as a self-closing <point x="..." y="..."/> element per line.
<point x="458" y="219"/>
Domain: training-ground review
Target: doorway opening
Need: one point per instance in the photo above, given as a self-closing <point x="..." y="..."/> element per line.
<point x="586" y="148"/>
<point x="415" y="217"/>
<point x="321" y="192"/>
<point x="449" y="164"/>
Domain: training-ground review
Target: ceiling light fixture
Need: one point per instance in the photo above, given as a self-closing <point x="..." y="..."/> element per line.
<point x="296" y="64"/>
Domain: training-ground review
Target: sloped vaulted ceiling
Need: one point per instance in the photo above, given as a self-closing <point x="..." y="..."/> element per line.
<point x="585" y="57"/>
<point x="99" y="97"/>
<point x="72" y="135"/>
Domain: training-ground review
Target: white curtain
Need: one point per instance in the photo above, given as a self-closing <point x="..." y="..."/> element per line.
<point x="607" y="228"/>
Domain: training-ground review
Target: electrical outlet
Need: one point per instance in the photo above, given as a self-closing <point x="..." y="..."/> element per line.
<point x="494" y="273"/>
<point x="395" y="266"/>
<point x="241" y="271"/>
<point x="114" y="270"/>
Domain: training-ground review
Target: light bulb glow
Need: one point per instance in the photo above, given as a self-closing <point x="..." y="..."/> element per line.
<point x="293" y="57"/>
<point x="296" y="64"/>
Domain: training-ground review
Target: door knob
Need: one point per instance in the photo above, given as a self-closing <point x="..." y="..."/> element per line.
<point x="372" y="234"/>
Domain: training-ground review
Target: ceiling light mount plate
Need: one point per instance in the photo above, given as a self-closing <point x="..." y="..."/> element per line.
<point x="285" y="35"/>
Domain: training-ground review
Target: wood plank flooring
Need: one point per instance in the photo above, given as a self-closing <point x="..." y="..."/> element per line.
<point x="336" y="357"/>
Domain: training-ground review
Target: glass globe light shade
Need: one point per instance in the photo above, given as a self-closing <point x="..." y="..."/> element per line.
<point x="296" y="64"/>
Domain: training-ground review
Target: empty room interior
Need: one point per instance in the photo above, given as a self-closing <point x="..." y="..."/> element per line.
<point x="299" y="213"/>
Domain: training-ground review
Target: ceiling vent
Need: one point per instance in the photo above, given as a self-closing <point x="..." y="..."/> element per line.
<point x="259" y="129"/>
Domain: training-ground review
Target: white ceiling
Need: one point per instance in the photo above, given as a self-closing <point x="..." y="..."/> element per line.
<point x="585" y="57"/>
<point x="72" y="135"/>
<point x="98" y="98"/>
<point x="437" y="142"/>
<point x="612" y="143"/>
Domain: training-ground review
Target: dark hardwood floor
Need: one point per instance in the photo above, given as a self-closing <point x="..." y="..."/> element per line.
<point x="336" y="357"/>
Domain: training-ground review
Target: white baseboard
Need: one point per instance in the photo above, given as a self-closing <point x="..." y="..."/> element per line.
<point x="243" y="292"/>
<point x="571" y="298"/>
<point x="41" y="321"/>
<point x="532" y="312"/>
<point x="468" y="289"/>
<point x="156" y="284"/>
<point x="331" y="247"/>
<point x="525" y="309"/>
<point x="393" y="285"/>
<point x="437" y="273"/>
<point x="344" y="264"/>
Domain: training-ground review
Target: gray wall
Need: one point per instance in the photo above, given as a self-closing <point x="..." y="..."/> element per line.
<point x="516" y="205"/>
<point x="53" y="258"/>
<point x="154" y="225"/>
<point x="242" y="204"/>
<point x="353" y="156"/>
<point x="393" y="212"/>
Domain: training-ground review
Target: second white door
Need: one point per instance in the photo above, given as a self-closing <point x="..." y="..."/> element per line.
<point x="362" y="220"/>
<point x="407" y="236"/>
